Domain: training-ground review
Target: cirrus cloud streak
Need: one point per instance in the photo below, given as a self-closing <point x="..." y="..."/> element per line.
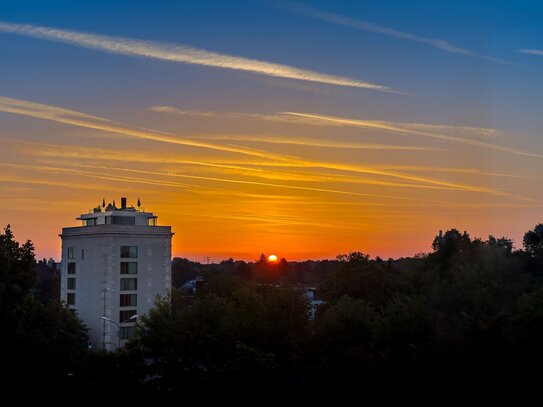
<point x="182" y="54"/>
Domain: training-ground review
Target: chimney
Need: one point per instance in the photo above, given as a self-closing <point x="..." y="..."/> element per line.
<point x="123" y="203"/>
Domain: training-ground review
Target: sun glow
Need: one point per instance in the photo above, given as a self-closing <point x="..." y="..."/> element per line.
<point x="272" y="258"/>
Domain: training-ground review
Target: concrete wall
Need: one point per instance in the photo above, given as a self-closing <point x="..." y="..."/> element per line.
<point x="98" y="276"/>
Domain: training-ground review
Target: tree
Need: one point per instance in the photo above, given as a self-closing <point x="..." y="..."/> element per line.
<point x="233" y="332"/>
<point x="500" y="243"/>
<point x="533" y="241"/>
<point x="361" y="278"/>
<point x="451" y="242"/>
<point x="44" y="340"/>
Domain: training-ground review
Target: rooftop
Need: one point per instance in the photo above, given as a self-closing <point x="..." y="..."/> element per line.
<point x="110" y="214"/>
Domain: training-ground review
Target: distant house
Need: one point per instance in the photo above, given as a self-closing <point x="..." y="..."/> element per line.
<point x="314" y="302"/>
<point x="190" y="287"/>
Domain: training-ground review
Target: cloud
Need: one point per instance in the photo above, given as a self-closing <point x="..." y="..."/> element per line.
<point x="220" y="115"/>
<point x="91" y="174"/>
<point x="532" y="51"/>
<point x="248" y="169"/>
<point x="400" y="129"/>
<point x="237" y="181"/>
<point x="468" y="131"/>
<point x="74" y="118"/>
<point x="317" y="142"/>
<point x="182" y="54"/>
<point x="361" y="25"/>
<point x="98" y="154"/>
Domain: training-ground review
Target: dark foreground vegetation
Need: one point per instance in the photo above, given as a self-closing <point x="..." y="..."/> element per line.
<point x="467" y="315"/>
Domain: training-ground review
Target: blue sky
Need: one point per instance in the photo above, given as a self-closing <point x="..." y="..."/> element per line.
<point x="264" y="31"/>
<point x="487" y="84"/>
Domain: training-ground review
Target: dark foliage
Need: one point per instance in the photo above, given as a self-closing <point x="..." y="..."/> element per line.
<point x="468" y="315"/>
<point x="42" y="341"/>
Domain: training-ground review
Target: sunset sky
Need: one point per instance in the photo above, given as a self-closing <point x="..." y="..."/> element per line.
<point x="300" y="129"/>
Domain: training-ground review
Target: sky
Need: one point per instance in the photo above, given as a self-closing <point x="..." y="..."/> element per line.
<point x="303" y="129"/>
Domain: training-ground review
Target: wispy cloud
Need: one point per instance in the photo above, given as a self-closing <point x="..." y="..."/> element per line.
<point x="237" y="181"/>
<point x="398" y="128"/>
<point x="99" y="154"/>
<point x="221" y="115"/>
<point x="182" y="54"/>
<point x="468" y="131"/>
<point x="75" y="118"/>
<point x="92" y="174"/>
<point x="362" y="25"/>
<point x="317" y="142"/>
<point x="538" y="52"/>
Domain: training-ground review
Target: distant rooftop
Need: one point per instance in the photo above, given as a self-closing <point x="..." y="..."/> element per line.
<point x="110" y="214"/>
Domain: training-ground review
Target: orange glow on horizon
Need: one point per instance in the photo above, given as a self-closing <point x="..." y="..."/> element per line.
<point x="308" y="190"/>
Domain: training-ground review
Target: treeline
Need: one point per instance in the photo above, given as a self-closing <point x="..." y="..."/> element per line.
<point x="307" y="273"/>
<point x="468" y="314"/>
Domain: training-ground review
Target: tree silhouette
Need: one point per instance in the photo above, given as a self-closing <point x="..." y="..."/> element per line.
<point x="43" y="339"/>
<point x="533" y="240"/>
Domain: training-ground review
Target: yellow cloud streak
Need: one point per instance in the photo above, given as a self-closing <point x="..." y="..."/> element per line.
<point x="107" y="177"/>
<point x="243" y="182"/>
<point x="378" y="170"/>
<point x="69" y="151"/>
<point x="285" y="118"/>
<point x="183" y="54"/>
<point x="16" y="106"/>
<point x="316" y="142"/>
<point x="388" y="126"/>
<point x="60" y="151"/>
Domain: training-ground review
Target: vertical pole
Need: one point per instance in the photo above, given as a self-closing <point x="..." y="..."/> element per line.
<point x="104" y="323"/>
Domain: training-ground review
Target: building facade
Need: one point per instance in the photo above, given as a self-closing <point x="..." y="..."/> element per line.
<point x="113" y="267"/>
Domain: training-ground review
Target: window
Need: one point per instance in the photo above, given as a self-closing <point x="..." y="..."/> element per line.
<point x="149" y="251"/>
<point x="151" y="221"/>
<point x="124" y="316"/>
<point x="127" y="332"/>
<point x="71" y="268"/>
<point x="129" y="267"/>
<point x="82" y="254"/>
<point x="120" y="220"/>
<point x="71" y="253"/>
<point x="123" y="220"/>
<point x="129" y="284"/>
<point x="129" y="252"/>
<point x="128" y="300"/>
<point x="71" y="284"/>
<point x="89" y="222"/>
<point x="70" y="299"/>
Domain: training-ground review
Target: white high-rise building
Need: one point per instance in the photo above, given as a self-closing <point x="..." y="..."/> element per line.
<point x="113" y="267"/>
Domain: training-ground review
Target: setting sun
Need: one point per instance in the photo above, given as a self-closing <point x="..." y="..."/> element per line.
<point x="272" y="258"/>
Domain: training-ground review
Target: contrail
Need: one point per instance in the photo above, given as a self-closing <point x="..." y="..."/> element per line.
<point x="79" y="119"/>
<point x="285" y="118"/>
<point x="532" y="52"/>
<point x="183" y="54"/>
<point x="393" y="127"/>
<point x="362" y="25"/>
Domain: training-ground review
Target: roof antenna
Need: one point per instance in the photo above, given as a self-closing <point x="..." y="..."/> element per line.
<point x="103" y="202"/>
<point x="114" y="204"/>
<point x="139" y="203"/>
